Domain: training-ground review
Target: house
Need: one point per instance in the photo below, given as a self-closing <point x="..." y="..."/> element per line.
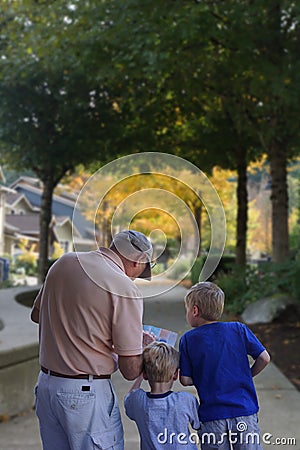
<point x="4" y="229"/>
<point x="20" y="215"/>
<point x="28" y="228"/>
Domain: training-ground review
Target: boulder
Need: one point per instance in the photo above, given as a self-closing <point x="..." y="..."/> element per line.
<point x="267" y="309"/>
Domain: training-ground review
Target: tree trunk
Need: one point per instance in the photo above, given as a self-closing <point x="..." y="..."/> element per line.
<point x="198" y="219"/>
<point x="45" y="219"/>
<point x="279" y="199"/>
<point x="242" y="209"/>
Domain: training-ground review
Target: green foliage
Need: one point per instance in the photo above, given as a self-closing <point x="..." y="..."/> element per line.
<point x="81" y="80"/>
<point x="179" y="269"/>
<point x="6" y="284"/>
<point x="235" y="289"/>
<point x="158" y="268"/>
<point x="231" y="97"/>
<point x="196" y="269"/>
<point x="244" y="286"/>
<point x="226" y="265"/>
<point x="58" y="251"/>
<point x="55" y="102"/>
<point x="27" y="260"/>
<point x="50" y="262"/>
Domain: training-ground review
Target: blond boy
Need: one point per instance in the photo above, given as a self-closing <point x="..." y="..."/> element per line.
<point x="162" y="416"/>
<point x="214" y="358"/>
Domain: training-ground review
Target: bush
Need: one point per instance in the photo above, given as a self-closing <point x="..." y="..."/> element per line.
<point x="235" y="289"/>
<point x="244" y="286"/>
<point x="196" y="269"/>
<point x="50" y="262"/>
<point x="28" y="260"/>
<point x="225" y="265"/>
<point x="6" y="284"/>
<point x="158" y="268"/>
<point x="179" y="270"/>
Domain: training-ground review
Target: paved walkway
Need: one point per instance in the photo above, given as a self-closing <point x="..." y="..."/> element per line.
<point x="279" y="399"/>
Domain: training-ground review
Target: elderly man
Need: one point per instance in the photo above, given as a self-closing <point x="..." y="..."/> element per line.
<point x="89" y="312"/>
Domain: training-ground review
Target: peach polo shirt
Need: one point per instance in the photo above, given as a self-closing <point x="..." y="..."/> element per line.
<point x="89" y="310"/>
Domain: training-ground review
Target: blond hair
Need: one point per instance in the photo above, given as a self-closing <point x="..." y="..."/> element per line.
<point x="208" y="297"/>
<point x="160" y="361"/>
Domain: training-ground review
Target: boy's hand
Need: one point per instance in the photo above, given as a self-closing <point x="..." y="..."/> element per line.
<point x="148" y="338"/>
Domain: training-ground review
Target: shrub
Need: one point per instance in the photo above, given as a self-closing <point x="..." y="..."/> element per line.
<point x="6" y="284"/>
<point x="158" y="268"/>
<point x="179" y="270"/>
<point x="246" y="285"/>
<point x="58" y="251"/>
<point x="225" y="265"/>
<point x="28" y="260"/>
<point x="196" y="269"/>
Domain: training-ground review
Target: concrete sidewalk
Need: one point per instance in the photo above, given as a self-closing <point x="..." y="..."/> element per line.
<point x="279" y="399"/>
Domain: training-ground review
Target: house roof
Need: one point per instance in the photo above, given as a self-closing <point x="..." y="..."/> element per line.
<point x="6" y="190"/>
<point x="36" y="183"/>
<point x="60" y="207"/>
<point x="29" y="224"/>
<point x="25" y="223"/>
<point x="36" y="188"/>
<point x="14" y="199"/>
<point x="61" y="220"/>
<point x="27" y="181"/>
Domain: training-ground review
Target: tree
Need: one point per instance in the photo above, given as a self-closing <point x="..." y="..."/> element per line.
<point x="52" y="116"/>
<point x="180" y="57"/>
<point x="172" y="60"/>
<point x="262" y="42"/>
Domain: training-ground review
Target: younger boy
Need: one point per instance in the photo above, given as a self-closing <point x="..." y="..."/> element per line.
<point x="214" y="358"/>
<point x="162" y="416"/>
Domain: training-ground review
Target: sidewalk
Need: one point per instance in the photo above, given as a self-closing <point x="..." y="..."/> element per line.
<point x="279" y="400"/>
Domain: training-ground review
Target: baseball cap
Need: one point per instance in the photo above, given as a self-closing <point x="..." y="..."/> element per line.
<point x="131" y="242"/>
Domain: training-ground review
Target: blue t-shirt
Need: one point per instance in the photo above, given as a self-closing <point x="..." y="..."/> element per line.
<point x="162" y="420"/>
<point x="215" y="356"/>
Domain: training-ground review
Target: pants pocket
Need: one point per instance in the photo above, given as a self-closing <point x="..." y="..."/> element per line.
<point x="76" y="409"/>
<point x="109" y="439"/>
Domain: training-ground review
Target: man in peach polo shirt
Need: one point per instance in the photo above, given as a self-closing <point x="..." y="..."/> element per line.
<point x="89" y="312"/>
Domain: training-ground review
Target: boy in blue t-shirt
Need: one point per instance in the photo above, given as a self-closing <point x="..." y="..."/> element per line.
<point x="214" y="358"/>
<point x="162" y="416"/>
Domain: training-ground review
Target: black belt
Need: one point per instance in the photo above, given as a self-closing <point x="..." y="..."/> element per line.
<point x="80" y="376"/>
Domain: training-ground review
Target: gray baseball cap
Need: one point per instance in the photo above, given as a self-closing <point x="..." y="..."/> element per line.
<point x="131" y="242"/>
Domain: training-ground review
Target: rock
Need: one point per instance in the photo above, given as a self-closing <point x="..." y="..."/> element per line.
<point x="267" y="309"/>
